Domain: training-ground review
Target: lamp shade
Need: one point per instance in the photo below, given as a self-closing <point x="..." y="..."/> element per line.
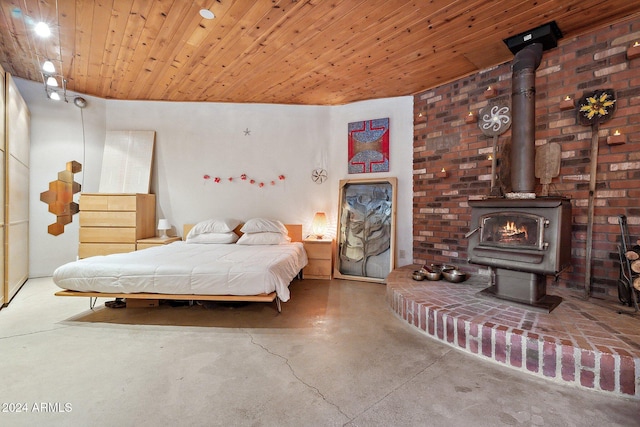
<point x="319" y="225"/>
<point x="163" y="226"/>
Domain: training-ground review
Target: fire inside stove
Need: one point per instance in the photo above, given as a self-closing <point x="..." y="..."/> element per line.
<point x="511" y="229"/>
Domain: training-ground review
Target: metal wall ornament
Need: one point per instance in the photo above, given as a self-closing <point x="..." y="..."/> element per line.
<point x="319" y="175"/>
<point x="594" y="108"/>
<point x="366" y="230"/>
<point x="494" y="120"/>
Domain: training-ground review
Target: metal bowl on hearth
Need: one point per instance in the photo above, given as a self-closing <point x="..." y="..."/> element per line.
<point x="433" y="275"/>
<point x="418" y="275"/>
<point x="454" y="275"/>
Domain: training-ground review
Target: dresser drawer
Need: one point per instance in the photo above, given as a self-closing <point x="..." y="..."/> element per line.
<point x="102" y="202"/>
<point x="317" y="269"/>
<point x="107" y="234"/>
<point x="318" y="250"/>
<point x="93" y="249"/>
<point x="107" y="219"/>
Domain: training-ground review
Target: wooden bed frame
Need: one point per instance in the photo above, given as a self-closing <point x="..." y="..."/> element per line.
<point x="295" y="232"/>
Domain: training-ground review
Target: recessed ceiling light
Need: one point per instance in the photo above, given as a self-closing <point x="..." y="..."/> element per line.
<point x="207" y="14"/>
<point x="42" y="29"/>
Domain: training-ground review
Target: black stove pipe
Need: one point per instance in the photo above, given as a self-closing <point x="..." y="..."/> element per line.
<point x="523" y="98"/>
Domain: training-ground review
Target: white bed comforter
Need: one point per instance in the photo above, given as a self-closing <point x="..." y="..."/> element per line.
<point x="181" y="268"/>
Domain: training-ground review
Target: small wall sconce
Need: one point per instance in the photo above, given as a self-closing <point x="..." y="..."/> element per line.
<point x="489" y="157"/>
<point x="633" y="51"/>
<point x="490" y="92"/>
<point x="471" y="118"/>
<point x="422" y="115"/>
<point x="567" y="103"/>
<point x="319" y="225"/>
<point x="163" y="226"/>
<point x="617" y="138"/>
<point x="442" y="174"/>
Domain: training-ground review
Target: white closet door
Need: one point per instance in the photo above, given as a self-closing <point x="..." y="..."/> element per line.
<point x="17" y="184"/>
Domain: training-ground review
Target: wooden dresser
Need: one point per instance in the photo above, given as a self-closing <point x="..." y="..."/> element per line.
<point x="113" y="223"/>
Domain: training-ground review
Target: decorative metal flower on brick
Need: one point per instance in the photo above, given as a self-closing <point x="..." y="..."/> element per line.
<point x="597" y="106"/>
<point x="495" y="119"/>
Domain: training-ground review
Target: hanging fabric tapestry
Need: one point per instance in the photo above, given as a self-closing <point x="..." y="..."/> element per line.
<point x="369" y="146"/>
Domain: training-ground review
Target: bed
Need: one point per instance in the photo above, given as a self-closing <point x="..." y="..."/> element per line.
<point x="208" y="266"/>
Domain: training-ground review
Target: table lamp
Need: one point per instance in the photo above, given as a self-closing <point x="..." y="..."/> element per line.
<point x="163" y="226"/>
<point x="319" y="224"/>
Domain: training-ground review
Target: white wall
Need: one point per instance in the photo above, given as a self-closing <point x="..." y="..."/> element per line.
<point x="400" y="113"/>
<point x="57" y="138"/>
<point x="194" y="139"/>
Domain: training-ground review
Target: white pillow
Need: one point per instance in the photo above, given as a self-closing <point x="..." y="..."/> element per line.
<point x="223" y="225"/>
<point x="264" y="238"/>
<point x="229" y="237"/>
<point x="261" y="225"/>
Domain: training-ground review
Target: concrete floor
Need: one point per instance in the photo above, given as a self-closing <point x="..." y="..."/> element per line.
<point x="335" y="356"/>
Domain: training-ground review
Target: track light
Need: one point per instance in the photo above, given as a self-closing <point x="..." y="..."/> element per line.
<point x="51" y="81"/>
<point x="48" y="67"/>
<point x="80" y="102"/>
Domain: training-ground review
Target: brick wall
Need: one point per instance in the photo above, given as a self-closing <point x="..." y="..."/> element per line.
<point x="443" y="140"/>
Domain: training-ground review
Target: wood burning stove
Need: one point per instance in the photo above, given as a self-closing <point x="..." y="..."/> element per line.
<point x="524" y="240"/>
<point x="521" y="237"/>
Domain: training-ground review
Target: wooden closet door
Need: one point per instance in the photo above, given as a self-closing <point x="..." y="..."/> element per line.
<point x="3" y="136"/>
<point x="17" y="190"/>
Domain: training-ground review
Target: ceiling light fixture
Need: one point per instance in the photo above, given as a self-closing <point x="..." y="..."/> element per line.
<point x="48" y="67"/>
<point x="207" y="14"/>
<point x="80" y="102"/>
<point x="42" y="29"/>
<point x="51" y="81"/>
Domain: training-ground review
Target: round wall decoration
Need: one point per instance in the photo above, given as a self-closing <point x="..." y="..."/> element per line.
<point x="319" y="175"/>
<point x="495" y="119"/>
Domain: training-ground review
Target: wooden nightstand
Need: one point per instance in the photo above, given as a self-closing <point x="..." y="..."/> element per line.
<point x="320" y="254"/>
<point x="156" y="241"/>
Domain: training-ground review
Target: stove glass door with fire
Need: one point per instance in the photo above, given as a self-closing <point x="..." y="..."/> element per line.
<point x="512" y="230"/>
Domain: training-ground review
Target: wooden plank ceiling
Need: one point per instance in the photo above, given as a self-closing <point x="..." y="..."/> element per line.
<point x="322" y="52"/>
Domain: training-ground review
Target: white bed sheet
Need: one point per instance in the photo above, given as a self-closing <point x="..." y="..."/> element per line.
<point x="189" y="268"/>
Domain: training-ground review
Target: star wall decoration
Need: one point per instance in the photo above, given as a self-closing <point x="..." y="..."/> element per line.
<point x="247" y="132"/>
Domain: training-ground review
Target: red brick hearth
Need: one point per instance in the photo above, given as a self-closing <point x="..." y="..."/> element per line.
<point x="585" y="343"/>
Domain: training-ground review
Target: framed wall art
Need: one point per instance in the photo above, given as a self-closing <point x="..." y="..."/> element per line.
<point x="366" y="233"/>
<point x="369" y="146"/>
